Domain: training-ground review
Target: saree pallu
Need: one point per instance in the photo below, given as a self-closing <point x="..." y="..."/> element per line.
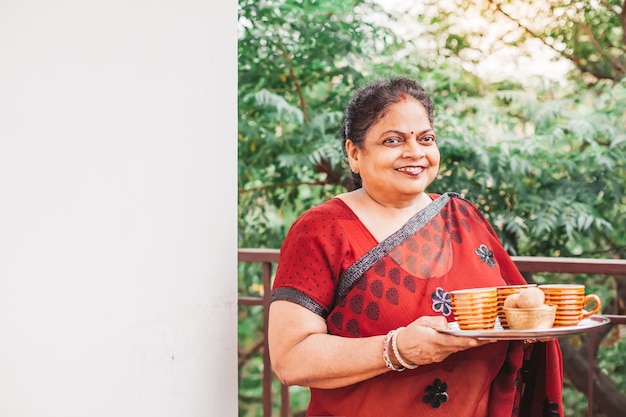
<point x="330" y="264"/>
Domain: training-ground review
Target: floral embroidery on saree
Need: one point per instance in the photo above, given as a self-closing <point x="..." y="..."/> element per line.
<point x="436" y="394"/>
<point x="486" y="255"/>
<point x="441" y="302"/>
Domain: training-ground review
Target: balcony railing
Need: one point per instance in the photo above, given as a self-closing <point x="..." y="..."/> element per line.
<point x="269" y="257"/>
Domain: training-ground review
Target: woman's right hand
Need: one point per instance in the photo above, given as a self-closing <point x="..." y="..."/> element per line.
<point x="420" y="343"/>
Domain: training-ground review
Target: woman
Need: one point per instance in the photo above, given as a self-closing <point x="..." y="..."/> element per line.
<point x="363" y="283"/>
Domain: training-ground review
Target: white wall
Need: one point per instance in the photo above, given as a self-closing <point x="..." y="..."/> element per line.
<point x="118" y="208"/>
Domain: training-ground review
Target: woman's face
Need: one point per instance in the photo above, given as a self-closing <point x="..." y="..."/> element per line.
<point x="399" y="157"/>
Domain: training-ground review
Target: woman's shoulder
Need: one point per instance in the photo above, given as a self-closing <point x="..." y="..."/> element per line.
<point x="322" y="216"/>
<point x="335" y="208"/>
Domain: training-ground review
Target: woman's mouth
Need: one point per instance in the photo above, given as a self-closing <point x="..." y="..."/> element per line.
<point x="412" y="170"/>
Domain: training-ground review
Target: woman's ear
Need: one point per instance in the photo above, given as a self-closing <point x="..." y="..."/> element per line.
<point x="353" y="155"/>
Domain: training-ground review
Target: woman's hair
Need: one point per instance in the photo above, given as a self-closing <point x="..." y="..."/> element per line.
<point x="369" y="104"/>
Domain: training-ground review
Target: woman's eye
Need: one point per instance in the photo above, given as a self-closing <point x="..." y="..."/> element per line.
<point x="392" y="141"/>
<point x="428" y="139"/>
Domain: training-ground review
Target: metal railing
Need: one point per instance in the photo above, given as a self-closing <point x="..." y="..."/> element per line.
<point x="526" y="264"/>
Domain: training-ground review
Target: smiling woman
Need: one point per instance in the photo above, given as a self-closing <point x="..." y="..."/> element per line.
<point x="395" y="166"/>
<point x="363" y="285"/>
<point x="392" y="162"/>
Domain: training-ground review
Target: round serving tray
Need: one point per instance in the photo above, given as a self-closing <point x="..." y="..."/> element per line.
<point x="498" y="333"/>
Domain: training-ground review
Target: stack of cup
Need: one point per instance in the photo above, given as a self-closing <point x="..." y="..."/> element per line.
<point x="570" y="300"/>
<point x="476" y="308"/>
<point x="503" y="292"/>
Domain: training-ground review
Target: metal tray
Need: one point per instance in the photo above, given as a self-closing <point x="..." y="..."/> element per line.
<point x="498" y="333"/>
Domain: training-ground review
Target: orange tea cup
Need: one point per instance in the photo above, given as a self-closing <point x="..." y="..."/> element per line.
<point x="570" y="300"/>
<point x="475" y="308"/>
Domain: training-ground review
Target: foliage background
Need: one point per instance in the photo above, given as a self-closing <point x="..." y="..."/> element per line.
<point x="542" y="155"/>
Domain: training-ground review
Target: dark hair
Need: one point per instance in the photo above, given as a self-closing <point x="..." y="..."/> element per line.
<point x="368" y="105"/>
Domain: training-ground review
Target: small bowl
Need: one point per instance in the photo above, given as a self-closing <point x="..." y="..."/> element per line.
<point x="530" y="318"/>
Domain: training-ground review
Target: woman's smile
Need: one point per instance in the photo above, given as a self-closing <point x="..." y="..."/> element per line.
<point x="411" y="170"/>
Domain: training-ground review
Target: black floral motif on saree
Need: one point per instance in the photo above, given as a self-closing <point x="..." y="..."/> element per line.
<point x="436" y="393"/>
<point x="486" y="255"/>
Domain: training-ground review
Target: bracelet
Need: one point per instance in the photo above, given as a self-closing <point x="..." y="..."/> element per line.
<point x="396" y="351"/>
<point x="386" y="358"/>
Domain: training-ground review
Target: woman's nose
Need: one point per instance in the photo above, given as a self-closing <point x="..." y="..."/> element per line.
<point x="412" y="149"/>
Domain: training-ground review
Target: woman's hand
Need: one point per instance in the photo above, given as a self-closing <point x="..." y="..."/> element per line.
<point x="420" y="343"/>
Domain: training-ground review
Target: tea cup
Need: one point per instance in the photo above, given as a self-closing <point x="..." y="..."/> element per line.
<point x="475" y="308"/>
<point x="571" y="301"/>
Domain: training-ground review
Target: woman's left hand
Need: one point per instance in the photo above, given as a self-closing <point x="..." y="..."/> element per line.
<point x="420" y="343"/>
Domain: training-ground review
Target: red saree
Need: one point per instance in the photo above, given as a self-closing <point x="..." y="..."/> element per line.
<point x="331" y="265"/>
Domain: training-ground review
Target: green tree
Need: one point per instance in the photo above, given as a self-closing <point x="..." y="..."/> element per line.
<point x="591" y="35"/>
<point x="547" y="171"/>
